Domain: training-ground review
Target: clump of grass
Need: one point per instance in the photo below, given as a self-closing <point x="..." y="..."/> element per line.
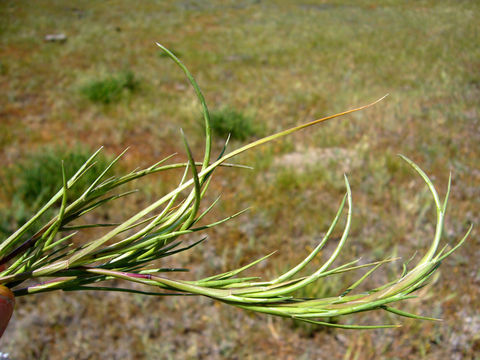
<point x="39" y="176"/>
<point x="13" y="216"/>
<point x="111" y="88"/>
<point x="32" y="182"/>
<point x="49" y="260"/>
<point x="228" y="121"/>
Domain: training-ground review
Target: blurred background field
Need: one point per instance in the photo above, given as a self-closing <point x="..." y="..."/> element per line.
<point x="263" y="66"/>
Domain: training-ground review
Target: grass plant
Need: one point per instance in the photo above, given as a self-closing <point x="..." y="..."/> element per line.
<point x="38" y="177"/>
<point x="231" y="122"/>
<point x="52" y="260"/>
<point x="111" y="88"/>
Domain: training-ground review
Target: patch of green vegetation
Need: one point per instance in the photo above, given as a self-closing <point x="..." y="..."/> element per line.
<point x="229" y="121"/>
<point x="38" y="177"/>
<point x="111" y="88"/>
<point x="31" y="183"/>
<point x="14" y="216"/>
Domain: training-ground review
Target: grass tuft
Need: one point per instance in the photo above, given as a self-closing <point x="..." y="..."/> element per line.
<point x="38" y="176"/>
<point x="32" y="182"/>
<point x="110" y="89"/>
<point x="229" y="121"/>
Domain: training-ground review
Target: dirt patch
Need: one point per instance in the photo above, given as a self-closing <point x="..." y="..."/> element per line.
<point x="303" y="159"/>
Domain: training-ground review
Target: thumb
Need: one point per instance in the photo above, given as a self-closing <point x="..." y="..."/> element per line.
<point x="7" y="303"/>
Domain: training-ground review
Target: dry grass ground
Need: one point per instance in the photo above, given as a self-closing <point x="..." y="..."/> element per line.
<point x="280" y="63"/>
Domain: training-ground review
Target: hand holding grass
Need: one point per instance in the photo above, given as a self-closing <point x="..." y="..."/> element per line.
<point x="53" y="262"/>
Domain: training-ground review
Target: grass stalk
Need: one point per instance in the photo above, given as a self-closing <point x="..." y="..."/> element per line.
<point x="52" y="259"/>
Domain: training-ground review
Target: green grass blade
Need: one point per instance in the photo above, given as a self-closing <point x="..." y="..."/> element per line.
<point x="201" y="98"/>
<point x="440" y="216"/>
<point x="197" y="189"/>
<point x="407" y="314"/>
<point x="350" y="327"/>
